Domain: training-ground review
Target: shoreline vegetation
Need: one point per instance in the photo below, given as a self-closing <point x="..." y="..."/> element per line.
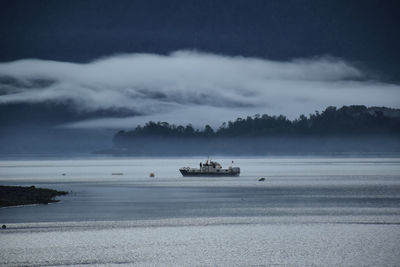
<point x="26" y="195"/>
<point x="349" y="129"/>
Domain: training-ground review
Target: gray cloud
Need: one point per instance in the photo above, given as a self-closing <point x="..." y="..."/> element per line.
<point x="189" y="86"/>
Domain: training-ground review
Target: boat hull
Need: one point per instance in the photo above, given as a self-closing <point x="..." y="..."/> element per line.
<point x="187" y="173"/>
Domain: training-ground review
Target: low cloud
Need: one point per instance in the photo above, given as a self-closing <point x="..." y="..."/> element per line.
<point x="191" y="87"/>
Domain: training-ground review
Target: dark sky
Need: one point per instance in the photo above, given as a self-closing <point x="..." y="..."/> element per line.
<point x="349" y="50"/>
<point x="366" y="32"/>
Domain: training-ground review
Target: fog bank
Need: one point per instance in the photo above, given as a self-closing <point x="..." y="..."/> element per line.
<point x="191" y="87"/>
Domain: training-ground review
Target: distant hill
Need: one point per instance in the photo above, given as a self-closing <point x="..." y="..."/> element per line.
<point x="347" y="129"/>
<point x="347" y="120"/>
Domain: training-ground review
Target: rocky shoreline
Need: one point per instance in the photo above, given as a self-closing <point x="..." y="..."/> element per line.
<point x="20" y="195"/>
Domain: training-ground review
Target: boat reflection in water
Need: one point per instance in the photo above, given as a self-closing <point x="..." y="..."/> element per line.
<point x="210" y="168"/>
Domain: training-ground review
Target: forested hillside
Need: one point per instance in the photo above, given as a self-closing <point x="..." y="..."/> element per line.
<point x="347" y="120"/>
<point x="347" y="129"/>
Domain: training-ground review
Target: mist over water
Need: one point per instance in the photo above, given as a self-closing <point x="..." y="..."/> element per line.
<point x="310" y="211"/>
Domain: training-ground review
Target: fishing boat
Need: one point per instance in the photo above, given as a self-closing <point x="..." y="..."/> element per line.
<point x="210" y="168"/>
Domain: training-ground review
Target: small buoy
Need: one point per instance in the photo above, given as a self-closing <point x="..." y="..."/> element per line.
<point x="63" y="174"/>
<point x="151" y="174"/>
<point x="261" y="179"/>
<point x="3" y="226"/>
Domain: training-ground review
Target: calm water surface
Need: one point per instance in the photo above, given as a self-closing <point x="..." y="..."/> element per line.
<point x="308" y="211"/>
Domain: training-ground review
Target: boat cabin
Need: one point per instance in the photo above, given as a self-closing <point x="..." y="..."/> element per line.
<point x="210" y="166"/>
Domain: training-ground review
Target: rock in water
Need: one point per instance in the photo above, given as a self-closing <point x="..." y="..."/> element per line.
<point x="19" y="195"/>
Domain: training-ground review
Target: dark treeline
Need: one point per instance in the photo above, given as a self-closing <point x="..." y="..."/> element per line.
<point x="349" y="129"/>
<point x="345" y="121"/>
